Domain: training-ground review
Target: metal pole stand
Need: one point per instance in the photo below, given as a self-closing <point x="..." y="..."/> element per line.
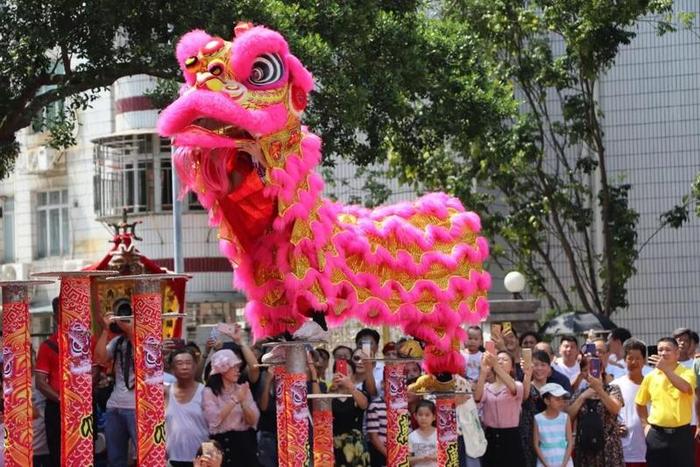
<point x="75" y="356"/>
<point x="147" y="303"/>
<point x="17" y="381"/>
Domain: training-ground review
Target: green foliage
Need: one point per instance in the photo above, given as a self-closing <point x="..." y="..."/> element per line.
<point x="362" y="52"/>
<point x="540" y="158"/>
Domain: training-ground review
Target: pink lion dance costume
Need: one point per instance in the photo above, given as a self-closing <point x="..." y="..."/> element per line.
<point x="243" y="150"/>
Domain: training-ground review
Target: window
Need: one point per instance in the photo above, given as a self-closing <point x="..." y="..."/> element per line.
<point x="134" y="172"/>
<point x="52" y="223"/>
<point x="8" y="230"/>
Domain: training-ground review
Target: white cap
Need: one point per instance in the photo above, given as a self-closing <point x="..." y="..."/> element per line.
<point x="553" y="389"/>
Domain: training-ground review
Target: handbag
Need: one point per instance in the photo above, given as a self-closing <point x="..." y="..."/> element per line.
<point x="468" y="420"/>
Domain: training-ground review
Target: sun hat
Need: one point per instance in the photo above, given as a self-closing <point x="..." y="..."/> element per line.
<point x="223" y="360"/>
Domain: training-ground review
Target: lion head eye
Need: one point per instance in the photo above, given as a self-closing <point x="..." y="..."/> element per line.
<point x="267" y="69"/>
<point x="216" y="67"/>
<point x="191" y="63"/>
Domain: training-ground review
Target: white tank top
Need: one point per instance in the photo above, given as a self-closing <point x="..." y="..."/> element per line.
<point x="185" y="426"/>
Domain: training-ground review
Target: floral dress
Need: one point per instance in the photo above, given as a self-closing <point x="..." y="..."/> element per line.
<point x="350" y="447"/>
<point x="527" y="417"/>
<point x="611" y="454"/>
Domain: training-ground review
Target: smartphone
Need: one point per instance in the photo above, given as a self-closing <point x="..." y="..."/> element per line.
<point x="214" y="334"/>
<point x="507" y="327"/>
<point x="490" y="347"/>
<point x="178" y="343"/>
<point x="341" y="366"/>
<point x="208" y="449"/>
<point x="527" y="356"/>
<point x="496" y="329"/>
<point x="594" y="367"/>
<point x="652" y="350"/>
<point x="366" y="346"/>
<point x="589" y="349"/>
<point x="226" y="328"/>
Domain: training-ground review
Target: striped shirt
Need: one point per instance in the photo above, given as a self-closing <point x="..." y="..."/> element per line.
<point x="376" y="418"/>
<point x="552" y="439"/>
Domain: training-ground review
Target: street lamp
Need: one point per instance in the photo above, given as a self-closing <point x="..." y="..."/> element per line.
<point x="514" y="283"/>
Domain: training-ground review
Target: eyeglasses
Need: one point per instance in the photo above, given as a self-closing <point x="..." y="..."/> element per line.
<point x="356" y="358"/>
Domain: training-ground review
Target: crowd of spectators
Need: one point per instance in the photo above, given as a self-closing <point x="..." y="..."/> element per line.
<point x="601" y="401"/>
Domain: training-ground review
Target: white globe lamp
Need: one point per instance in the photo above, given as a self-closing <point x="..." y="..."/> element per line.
<point x="514" y="283"/>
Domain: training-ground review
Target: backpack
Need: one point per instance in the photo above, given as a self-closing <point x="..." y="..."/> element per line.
<point x="590" y="428"/>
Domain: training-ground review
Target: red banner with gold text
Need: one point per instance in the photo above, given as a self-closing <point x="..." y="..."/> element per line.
<point x="76" y="372"/>
<point x="323" y="437"/>
<point x="297" y="414"/>
<point x="17" y="379"/>
<point x="148" y="365"/>
<point x="447" y="451"/>
<point x="282" y="454"/>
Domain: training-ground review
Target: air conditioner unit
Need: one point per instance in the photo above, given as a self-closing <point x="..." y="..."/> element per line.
<point x="44" y="159"/>
<point x="14" y="272"/>
<point x="74" y="264"/>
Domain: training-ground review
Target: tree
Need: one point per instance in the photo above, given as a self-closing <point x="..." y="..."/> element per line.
<point x="369" y="57"/>
<point x="546" y="188"/>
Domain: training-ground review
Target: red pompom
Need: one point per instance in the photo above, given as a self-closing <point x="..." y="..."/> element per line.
<point x="299" y="98"/>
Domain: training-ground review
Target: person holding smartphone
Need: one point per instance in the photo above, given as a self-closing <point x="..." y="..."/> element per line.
<point x="604" y="401"/>
<point x="501" y="402"/>
<point x="669" y="390"/>
<point x="348" y="412"/>
<point x="231" y="411"/>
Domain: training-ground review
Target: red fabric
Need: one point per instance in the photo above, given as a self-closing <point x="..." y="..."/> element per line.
<point x="47" y="363"/>
<point x="248" y="212"/>
<point x="635" y="464"/>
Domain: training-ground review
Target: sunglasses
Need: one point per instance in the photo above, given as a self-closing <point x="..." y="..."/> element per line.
<point x="356" y="358"/>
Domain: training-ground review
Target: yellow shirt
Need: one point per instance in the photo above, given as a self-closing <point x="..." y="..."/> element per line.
<point x="670" y="407"/>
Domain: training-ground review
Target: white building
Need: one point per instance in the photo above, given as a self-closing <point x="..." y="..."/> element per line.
<point x="56" y="204"/>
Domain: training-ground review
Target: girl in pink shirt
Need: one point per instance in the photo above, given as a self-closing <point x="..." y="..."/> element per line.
<point x="501" y="401"/>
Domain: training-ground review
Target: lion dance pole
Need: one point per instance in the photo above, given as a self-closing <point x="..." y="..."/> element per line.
<point x="323" y="432"/>
<point x="147" y="304"/>
<point x="447" y="448"/>
<point x="17" y="372"/>
<point x="397" y="417"/>
<point x="75" y="357"/>
<point x="296" y="409"/>
<point x="280" y="391"/>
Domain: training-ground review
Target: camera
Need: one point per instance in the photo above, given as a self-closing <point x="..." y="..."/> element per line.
<point x="121" y="308"/>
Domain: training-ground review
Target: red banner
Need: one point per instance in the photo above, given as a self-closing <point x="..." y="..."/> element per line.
<point x="296" y="412"/>
<point x="282" y="454"/>
<point x="148" y="365"/>
<point x="447" y="450"/>
<point x="76" y="371"/>
<point x="397" y="416"/>
<point x="17" y="377"/>
<point x="323" y="437"/>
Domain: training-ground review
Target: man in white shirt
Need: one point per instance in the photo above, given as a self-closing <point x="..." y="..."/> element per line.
<point x="616" y="359"/>
<point x="634" y="445"/>
<point x="370" y="336"/>
<point x="568" y="361"/>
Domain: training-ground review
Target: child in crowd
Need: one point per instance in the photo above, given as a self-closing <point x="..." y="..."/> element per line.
<point x="472" y="356"/>
<point x="552" y="436"/>
<point x="422" y="442"/>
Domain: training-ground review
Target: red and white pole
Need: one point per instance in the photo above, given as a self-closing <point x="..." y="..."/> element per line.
<point x="17" y="372"/>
